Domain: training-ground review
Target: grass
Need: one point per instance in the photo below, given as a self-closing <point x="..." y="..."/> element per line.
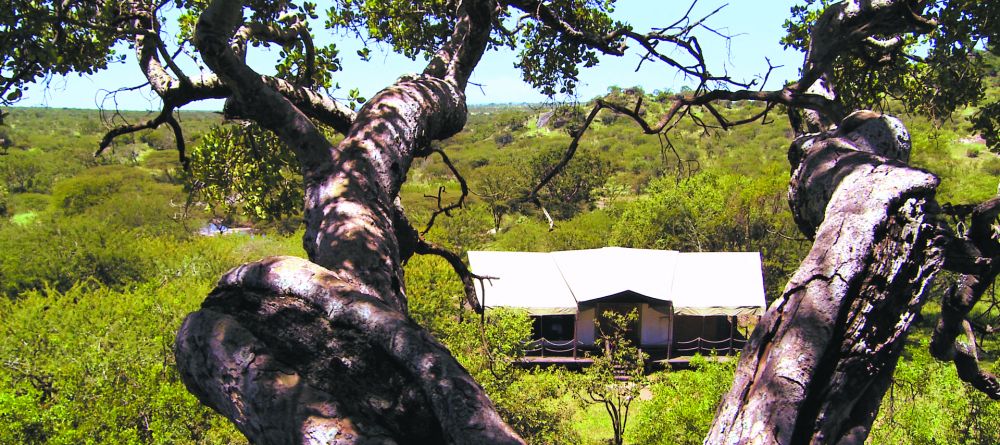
<point x="593" y="424"/>
<point x="24" y="218"/>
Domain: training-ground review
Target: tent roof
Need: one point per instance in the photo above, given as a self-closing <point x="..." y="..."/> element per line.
<point x="718" y="283"/>
<point x="596" y="273"/>
<point x="557" y="282"/>
<point x="526" y="280"/>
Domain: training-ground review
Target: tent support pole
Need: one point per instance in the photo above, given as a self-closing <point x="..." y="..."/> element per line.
<point x="541" y="330"/>
<point x="702" y="335"/>
<point x="732" y="327"/>
<point x="576" y="317"/>
<point x="670" y="330"/>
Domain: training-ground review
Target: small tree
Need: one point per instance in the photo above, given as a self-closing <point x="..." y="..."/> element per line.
<point x="618" y="373"/>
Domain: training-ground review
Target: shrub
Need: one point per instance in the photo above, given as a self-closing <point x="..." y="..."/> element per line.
<point x="947" y="411"/>
<point x="537" y="407"/>
<point x="27" y="202"/>
<point x="110" y="194"/>
<point x="77" y="194"/>
<point x="684" y="404"/>
<point x="95" y="366"/>
<point x="503" y="139"/>
<point x="992" y="166"/>
<point x="61" y="253"/>
<point x="4" y="201"/>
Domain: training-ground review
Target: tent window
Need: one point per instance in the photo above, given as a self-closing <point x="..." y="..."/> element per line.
<point x="553" y="327"/>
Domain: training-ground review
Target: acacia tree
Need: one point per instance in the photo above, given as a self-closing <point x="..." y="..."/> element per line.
<point x="323" y="351"/>
<point x="617" y="375"/>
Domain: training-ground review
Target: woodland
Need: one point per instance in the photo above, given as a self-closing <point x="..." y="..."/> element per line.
<point x="869" y="186"/>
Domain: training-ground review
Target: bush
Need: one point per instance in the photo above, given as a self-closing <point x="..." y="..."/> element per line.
<point x="95" y="366"/>
<point x="27" y="202"/>
<point x="87" y="189"/>
<point x="4" y="201"/>
<point x="947" y="411"/>
<point x="110" y="193"/>
<point x="536" y="405"/>
<point x="684" y="404"/>
<point x="503" y="139"/>
<point x="61" y="253"/>
<point x="992" y="166"/>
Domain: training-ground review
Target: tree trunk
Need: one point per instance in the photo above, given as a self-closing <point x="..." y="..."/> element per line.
<point x="323" y="351"/>
<point x="816" y="367"/>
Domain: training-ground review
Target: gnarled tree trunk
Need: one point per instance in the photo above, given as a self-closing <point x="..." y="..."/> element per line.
<point x="323" y="351"/>
<point x="819" y="362"/>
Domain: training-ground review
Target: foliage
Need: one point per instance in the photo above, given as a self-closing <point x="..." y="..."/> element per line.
<point x="684" y="403"/>
<point x="27" y="202"/>
<point x="42" y="38"/>
<point x="33" y="171"/>
<point x="617" y="374"/>
<point x="245" y="168"/>
<point x="947" y="411"/>
<point x="467" y="229"/>
<point x="4" y="201"/>
<point x="550" y="60"/>
<point x="949" y="76"/>
<point x="498" y="185"/>
<point x="61" y="253"/>
<point x="570" y="191"/>
<point x="77" y="368"/>
<point x="536" y="406"/>
<point x="714" y="212"/>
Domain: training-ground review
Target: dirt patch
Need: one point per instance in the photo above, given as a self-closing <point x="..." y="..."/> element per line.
<point x="974" y="139"/>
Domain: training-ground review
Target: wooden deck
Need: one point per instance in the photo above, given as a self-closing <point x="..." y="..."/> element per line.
<point x="580" y="362"/>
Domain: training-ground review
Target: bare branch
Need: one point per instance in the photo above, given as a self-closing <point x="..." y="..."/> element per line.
<point x="425" y="247"/>
<point x="455" y="205"/>
<point x="179" y="139"/>
<point x="161" y="118"/>
<point x="411" y="242"/>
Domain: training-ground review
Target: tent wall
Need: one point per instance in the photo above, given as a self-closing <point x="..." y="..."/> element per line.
<point x="552" y="327"/>
<point x="690" y="327"/>
<point x="585" y="326"/>
<point x="655" y="325"/>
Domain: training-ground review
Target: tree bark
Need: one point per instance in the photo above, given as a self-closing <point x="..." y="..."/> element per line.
<point x="323" y="351"/>
<point x="816" y="367"/>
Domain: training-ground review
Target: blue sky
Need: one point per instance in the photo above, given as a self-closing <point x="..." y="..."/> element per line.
<point x="755" y="25"/>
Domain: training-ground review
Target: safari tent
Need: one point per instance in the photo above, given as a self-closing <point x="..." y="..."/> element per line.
<point x="686" y="301"/>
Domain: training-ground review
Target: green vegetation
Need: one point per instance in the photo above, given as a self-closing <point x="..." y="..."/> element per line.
<point x="617" y="376"/>
<point x="100" y="261"/>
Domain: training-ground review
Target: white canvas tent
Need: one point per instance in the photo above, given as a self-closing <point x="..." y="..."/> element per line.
<point x="662" y="283"/>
